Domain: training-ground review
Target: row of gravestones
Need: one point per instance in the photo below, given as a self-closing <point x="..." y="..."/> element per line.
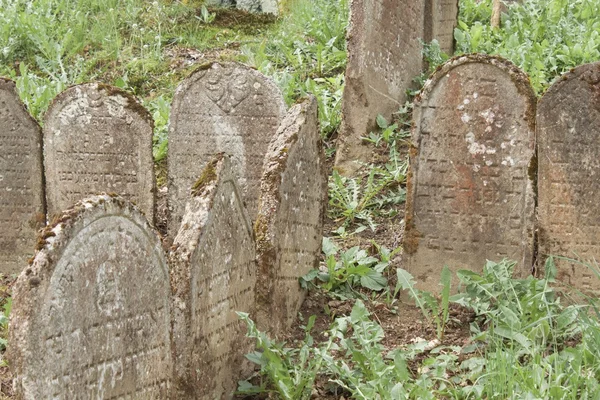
<point x="495" y="173"/>
<point x="103" y="311"/>
<point x="97" y="138"/>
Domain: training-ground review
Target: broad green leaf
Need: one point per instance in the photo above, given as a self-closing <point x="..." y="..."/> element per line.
<point x="373" y="280"/>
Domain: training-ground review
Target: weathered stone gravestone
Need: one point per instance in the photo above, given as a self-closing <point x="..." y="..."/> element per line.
<point x="227" y="108"/>
<point x="98" y="138"/>
<point x="441" y="22"/>
<point x="384" y="56"/>
<point x="91" y="315"/>
<point x="22" y="210"/>
<point x="568" y="134"/>
<point x="290" y="218"/>
<point x="214" y="275"/>
<point x="265" y="6"/>
<point x="470" y="191"/>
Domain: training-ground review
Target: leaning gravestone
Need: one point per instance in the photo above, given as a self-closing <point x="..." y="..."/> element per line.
<point x="384" y="56"/>
<point x="22" y="210"/>
<point x="227" y="108"/>
<point x="214" y="275"/>
<point x="470" y="190"/>
<point x="98" y="138"/>
<point x="440" y="26"/>
<point x="568" y="131"/>
<point x="290" y="218"/>
<point x="91" y="315"/>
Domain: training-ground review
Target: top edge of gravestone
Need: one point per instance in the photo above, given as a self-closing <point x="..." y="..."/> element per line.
<point x="563" y="80"/>
<point x="133" y="103"/>
<point x="55" y="235"/>
<point x="10" y="85"/>
<point x="197" y="74"/>
<point x="276" y="162"/>
<point x="519" y="78"/>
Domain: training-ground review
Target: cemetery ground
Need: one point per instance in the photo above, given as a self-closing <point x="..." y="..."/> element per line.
<point x="365" y="330"/>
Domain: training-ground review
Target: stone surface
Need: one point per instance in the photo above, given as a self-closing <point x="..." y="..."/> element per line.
<point x="441" y="24"/>
<point x="22" y="208"/>
<point x="384" y="56"/>
<point x="214" y="275"/>
<point x="470" y="191"/>
<point x="289" y="225"/>
<point x="568" y="131"/>
<point x="221" y="108"/>
<point x="265" y="6"/>
<point x="98" y="138"/>
<point x="91" y="315"/>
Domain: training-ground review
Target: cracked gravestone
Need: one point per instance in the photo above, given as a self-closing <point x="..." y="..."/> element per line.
<point x="290" y="217"/>
<point x="98" y="138"/>
<point x="470" y="191"/>
<point x="214" y="275"/>
<point x="22" y="209"/>
<point x="227" y="108"/>
<point x="384" y="56"/>
<point x="91" y="316"/>
<point x="568" y="134"/>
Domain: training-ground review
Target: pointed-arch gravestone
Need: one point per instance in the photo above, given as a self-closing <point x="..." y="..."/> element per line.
<point x="568" y="132"/>
<point x="221" y="107"/>
<point x="289" y="225"/>
<point x="91" y="315"/>
<point x="471" y="188"/>
<point x="22" y="203"/>
<point x="214" y="275"/>
<point x="98" y="138"/>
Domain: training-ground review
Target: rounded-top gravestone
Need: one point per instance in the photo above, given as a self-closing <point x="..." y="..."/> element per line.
<point x="22" y="205"/>
<point x="98" y="139"/>
<point x="568" y="132"/>
<point x="470" y="194"/>
<point x="91" y="315"/>
<point x="227" y="108"/>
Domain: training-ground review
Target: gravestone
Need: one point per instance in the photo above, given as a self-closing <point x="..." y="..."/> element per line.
<point x="22" y="210"/>
<point x="470" y="189"/>
<point x="568" y="134"/>
<point x="290" y="218"/>
<point x="91" y="315"/>
<point x="214" y="275"/>
<point x="227" y="108"/>
<point x="440" y="26"/>
<point x="98" y="138"/>
<point x="384" y="56"/>
<point x="264" y="6"/>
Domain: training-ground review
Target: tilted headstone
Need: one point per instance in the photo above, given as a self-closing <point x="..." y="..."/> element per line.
<point x="568" y="134"/>
<point x="290" y="219"/>
<point x="470" y="189"/>
<point x="443" y="20"/>
<point x="91" y="315"/>
<point x="98" y="138"/>
<point x="214" y="275"/>
<point x="384" y="56"/>
<point x="22" y="206"/>
<point x="227" y="108"/>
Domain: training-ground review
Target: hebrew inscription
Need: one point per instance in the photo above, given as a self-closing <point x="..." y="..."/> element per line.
<point x="290" y="220"/>
<point x="227" y="108"/>
<point x="470" y="195"/>
<point x="98" y="139"/>
<point x="384" y="56"/>
<point x="91" y="316"/>
<point x="22" y="210"/>
<point x="568" y="127"/>
<point x="215" y="272"/>
<point x="444" y="20"/>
